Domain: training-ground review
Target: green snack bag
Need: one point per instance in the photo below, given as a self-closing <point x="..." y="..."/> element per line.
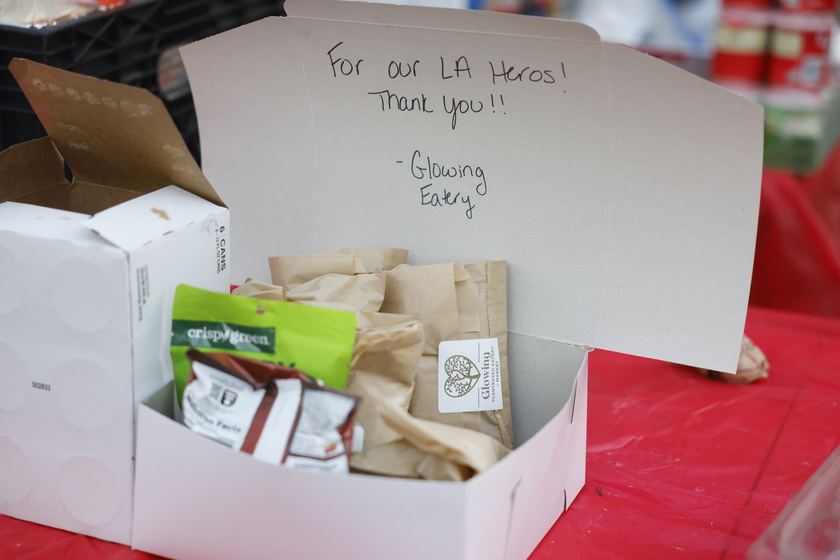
<point x="315" y="340"/>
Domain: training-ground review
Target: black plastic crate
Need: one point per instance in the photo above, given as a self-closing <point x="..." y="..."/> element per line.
<point x="132" y="44"/>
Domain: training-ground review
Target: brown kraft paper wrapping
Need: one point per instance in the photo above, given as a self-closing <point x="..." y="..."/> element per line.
<point x="291" y="271"/>
<point x="382" y="373"/>
<point x="375" y="259"/>
<point x="455" y="302"/>
<point x="491" y="278"/>
<point x="360" y="292"/>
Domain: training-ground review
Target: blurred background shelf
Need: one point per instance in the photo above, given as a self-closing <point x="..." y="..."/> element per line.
<point x="133" y="43"/>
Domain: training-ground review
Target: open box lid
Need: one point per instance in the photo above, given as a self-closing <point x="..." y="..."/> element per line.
<point x="119" y="141"/>
<point x="622" y="191"/>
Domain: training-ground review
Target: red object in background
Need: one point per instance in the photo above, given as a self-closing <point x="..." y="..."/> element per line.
<point x="800" y="51"/>
<point x="755" y="4"/>
<point x="797" y="258"/>
<point x="808" y="5"/>
<point x="822" y="188"/>
<point x="741" y="45"/>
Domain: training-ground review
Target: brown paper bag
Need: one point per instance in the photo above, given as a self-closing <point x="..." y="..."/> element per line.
<point x="491" y="279"/>
<point x="375" y="259"/>
<point x="443" y="296"/>
<point x="428" y="450"/>
<point x="385" y="358"/>
<point x="455" y="302"/>
<point x="388" y="347"/>
<point x="293" y="270"/>
<point x="362" y="291"/>
<point x="382" y="370"/>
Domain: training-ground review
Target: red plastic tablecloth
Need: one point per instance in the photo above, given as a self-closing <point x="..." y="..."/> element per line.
<point x="678" y="466"/>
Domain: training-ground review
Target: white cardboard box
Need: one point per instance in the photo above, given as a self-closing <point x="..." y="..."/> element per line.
<point x="622" y="191"/>
<point x="86" y="287"/>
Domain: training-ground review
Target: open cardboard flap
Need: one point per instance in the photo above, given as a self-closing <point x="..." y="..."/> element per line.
<point x="29" y="168"/>
<point x="119" y="142"/>
<point x="622" y="191"/>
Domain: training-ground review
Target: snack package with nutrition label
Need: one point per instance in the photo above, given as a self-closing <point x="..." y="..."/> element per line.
<point x="273" y="412"/>
<point x="317" y="341"/>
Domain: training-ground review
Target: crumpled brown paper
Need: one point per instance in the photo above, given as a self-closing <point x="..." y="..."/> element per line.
<point x="382" y="374"/>
<point x="355" y="292"/>
<point x="447" y="452"/>
<point x="290" y="271"/>
<point x="752" y="366"/>
<point x="260" y="290"/>
<point x="388" y="347"/>
<point x="455" y="301"/>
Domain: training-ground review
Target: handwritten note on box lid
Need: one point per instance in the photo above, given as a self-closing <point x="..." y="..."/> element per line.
<point x="622" y="191"/>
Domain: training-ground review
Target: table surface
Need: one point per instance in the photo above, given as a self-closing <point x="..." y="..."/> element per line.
<point x="678" y="465"/>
